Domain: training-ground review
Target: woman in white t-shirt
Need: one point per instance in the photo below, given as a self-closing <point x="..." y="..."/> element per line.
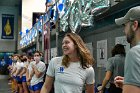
<point x="19" y="65"/>
<point x="38" y="69"/>
<point x="28" y="69"/>
<point x="22" y="74"/>
<point x="13" y="71"/>
<point x="73" y="71"/>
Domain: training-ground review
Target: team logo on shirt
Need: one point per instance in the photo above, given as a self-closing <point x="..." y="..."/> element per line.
<point x="61" y="70"/>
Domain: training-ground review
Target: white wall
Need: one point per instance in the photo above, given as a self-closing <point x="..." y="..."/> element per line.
<point x="9" y="45"/>
<point x="28" y="7"/>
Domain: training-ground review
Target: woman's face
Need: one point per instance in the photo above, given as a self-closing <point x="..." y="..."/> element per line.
<point x="68" y="46"/>
<point x="37" y="57"/>
<point x="16" y="58"/>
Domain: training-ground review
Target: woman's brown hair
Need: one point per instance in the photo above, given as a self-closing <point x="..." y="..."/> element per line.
<point x="86" y="58"/>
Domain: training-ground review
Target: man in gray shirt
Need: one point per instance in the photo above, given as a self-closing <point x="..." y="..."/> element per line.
<point x="131" y="22"/>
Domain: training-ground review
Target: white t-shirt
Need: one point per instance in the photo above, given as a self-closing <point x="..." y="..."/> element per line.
<point x="71" y="79"/>
<point x="19" y="66"/>
<point x="24" y="65"/>
<point x="41" y="67"/>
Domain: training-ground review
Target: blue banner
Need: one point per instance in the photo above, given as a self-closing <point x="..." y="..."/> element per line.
<point x="7" y="26"/>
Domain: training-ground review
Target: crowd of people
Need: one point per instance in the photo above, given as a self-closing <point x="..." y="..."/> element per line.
<point x="27" y="73"/>
<point x="73" y="72"/>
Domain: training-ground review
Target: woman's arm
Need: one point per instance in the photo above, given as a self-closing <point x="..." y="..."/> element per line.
<point x="23" y="71"/>
<point x="17" y="72"/>
<point x="27" y="73"/>
<point x="36" y="72"/>
<point x="31" y="74"/>
<point x="106" y="79"/>
<point x="47" y="85"/>
<point x="13" y="70"/>
<point x="90" y="88"/>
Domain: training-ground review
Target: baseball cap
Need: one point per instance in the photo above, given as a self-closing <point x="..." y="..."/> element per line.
<point x="131" y="15"/>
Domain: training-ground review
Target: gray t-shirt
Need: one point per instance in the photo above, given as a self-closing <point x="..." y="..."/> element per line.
<point x="116" y="66"/>
<point x="132" y="67"/>
<point x="71" y="79"/>
<point x="41" y="68"/>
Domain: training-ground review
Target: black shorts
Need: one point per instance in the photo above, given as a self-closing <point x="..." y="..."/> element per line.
<point x="114" y="89"/>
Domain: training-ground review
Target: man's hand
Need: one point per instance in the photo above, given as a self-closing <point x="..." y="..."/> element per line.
<point x="119" y="81"/>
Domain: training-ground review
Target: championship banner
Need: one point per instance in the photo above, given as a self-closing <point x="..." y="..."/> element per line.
<point x="7" y="26"/>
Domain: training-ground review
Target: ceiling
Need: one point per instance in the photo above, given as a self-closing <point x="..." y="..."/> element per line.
<point x="15" y="3"/>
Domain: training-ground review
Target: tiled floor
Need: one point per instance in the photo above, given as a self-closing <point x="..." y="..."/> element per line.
<point x="4" y="87"/>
